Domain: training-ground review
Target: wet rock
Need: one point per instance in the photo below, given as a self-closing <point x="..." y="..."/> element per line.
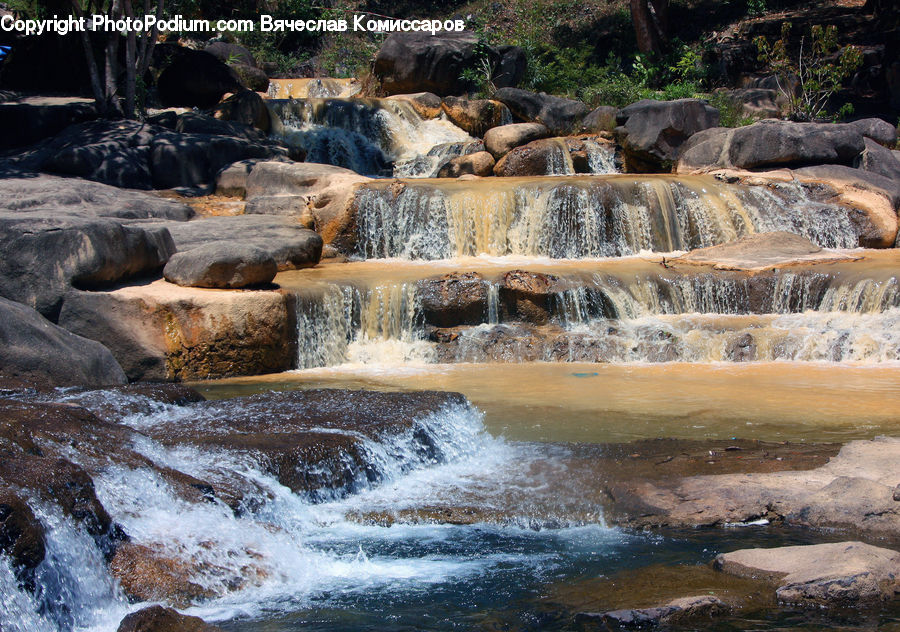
<point x="853" y="492"/>
<point x="772" y="143"/>
<point x="548" y="156"/>
<point x="192" y="78"/>
<point x="760" y="251"/>
<point x="880" y="160"/>
<point x="160" y="619"/>
<point x="654" y="133"/>
<point x="314" y="441"/>
<point x="247" y="108"/>
<point x="21" y="534"/>
<point x="426" y="104"/>
<point x="221" y="264"/>
<point x="601" y="119"/>
<point x="678" y="611"/>
<point x="422" y="62"/>
<point x="283" y="238"/>
<point x="35" y="348"/>
<point x="743" y="349"/>
<point x="46" y="253"/>
<point x="454" y="299"/>
<point x="480" y="163"/>
<point x="878" y="130"/>
<point x="475" y="116"/>
<point x="560" y="116"/>
<point x="165" y="332"/>
<point x="148" y="575"/>
<point x="500" y="140"/>
<point x="323" y="191"/>
<point x="28" y="120"/>
<point x="527" y="296"/>
<point x="61" y="482"/>
<point x="842" y="573"/>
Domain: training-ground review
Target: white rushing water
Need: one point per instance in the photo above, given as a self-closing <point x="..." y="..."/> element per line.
<point x="281" y="552"/>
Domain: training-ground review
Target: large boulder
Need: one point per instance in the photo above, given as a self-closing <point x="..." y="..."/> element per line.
<point x="601" y="119"/>
<point x="161" y="331"/>
<point x="251" y="77"/>
<point x="475" y="116"/>
<point x="421" y="62"/>
<point x="838" y="574"/>
<point x="323" y="192"/>
<point x="33" y="348"/>
<point x="500" y="140"/>
<point x="652" y="132"/>
<point x="772" y="143"/>
<point x="47" y="253"/>
<point x="481" y="163"/>
<point x="878" y="130"/>
<point x="879" y="160"/>
<point x="245" y="107"/>
<point x="527" y="296"/>
<point x="29" y="119"/>
<point x="511" y="68"/>
<point x="192" y="78"/>
<point x="547" y="156"/>
<point x="287" y="242"/>
<point x="230" y="53"/>
<point x="223" y="264"/>
<point x="196" y="123"/>
<point x="560" y="116"/>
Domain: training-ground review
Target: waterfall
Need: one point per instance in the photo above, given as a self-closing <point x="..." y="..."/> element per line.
<point x="577" y="217"/>
<point x="368" y="136"/>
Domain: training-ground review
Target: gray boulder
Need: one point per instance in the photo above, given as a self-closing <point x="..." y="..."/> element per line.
<point x="772" y="143"/>
<point x="500" y="140"/>
<point x="72" y="196"/>
<point x="652" y="133"/>
<point x="421" y="62"/>
<point x="878" y="130"/>
<point x="481" y="163"/>
<point x="560" y="116"/>
<point x="879" y="160"/>
<point x="222" y="264"/>
<point x="46" y="253"/>
<point x="601" y="119"/>
<point x="290" y="245"/>
<point x="33" y="348"/>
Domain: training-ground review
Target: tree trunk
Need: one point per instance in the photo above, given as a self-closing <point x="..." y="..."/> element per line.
<point x="130" y="61"/>
<point x="651" y="24"/>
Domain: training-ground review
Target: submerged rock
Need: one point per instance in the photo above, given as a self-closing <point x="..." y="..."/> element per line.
<point x="160" y="619"/>
<point x="761" y="251"/>
<point x="679" y="611"/>
<point x="842" y="573"/>
<point x="146" y="574"/>
<point x="21" y="535"/>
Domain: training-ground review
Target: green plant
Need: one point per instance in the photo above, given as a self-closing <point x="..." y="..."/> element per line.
<point x="817" y="70"/>
<point x="756" y="7"/>
<point x="481" y="76"/>
<point x="731" y="112"/>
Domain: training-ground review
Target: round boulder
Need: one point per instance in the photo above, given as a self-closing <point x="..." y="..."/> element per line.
<point x="499" y="140"/>
<point x="481" y="163"/>
<point x="221" y="265"/>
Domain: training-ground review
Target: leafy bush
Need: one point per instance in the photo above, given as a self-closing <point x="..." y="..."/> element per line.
<point x="817" y="69"/>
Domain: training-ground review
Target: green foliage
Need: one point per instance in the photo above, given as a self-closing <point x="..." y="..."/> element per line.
<point x="731" y="112"/>
<point x="817" y="69"/>
<point x="481" y="76"/>
<point x="756" y="7"/>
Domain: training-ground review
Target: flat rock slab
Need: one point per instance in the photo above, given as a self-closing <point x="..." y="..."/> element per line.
<point x="762" y="251"/>
<point x="838" y="573"/>
<point x="853" y="492"/>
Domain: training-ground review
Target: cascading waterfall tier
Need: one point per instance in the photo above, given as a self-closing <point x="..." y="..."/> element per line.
<point x="369" y="136"/>
<point x="617" y="311"/>
<point x="585" y="216"/>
